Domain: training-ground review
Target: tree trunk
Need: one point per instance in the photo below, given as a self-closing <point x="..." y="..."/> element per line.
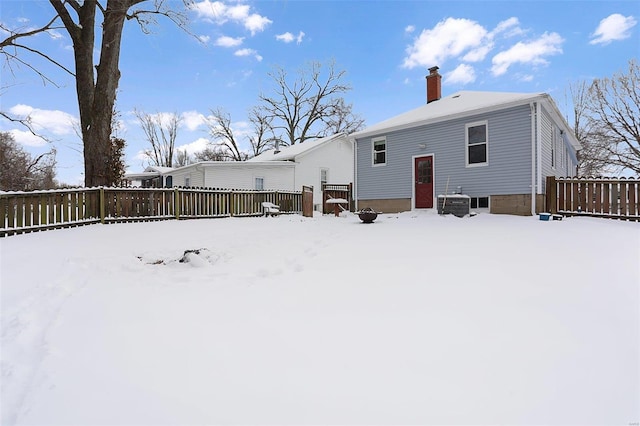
<point x="96" y="99"/>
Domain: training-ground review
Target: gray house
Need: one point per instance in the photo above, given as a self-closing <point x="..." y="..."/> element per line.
<point x="495" y="147"/>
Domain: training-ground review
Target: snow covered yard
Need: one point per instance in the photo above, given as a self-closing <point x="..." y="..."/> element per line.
<point x="414" y="319"/>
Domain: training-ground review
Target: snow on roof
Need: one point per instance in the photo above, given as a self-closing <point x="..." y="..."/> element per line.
<point x="158" y="169"/>
<point x="289" y="153"/>
<point x="460" y="103"/>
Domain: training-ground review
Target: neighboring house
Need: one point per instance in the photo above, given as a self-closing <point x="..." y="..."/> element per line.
<point x="151" y="177"/>
<point x="495" y="147"/>
<point x="312" y="163"/>
<point x="318" y="161"/>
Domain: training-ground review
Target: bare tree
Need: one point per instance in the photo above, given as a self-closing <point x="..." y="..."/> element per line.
<point x="219" y="125"/>
<point x="182" y="158"/>
<point x="161" y="131"/>
<point x="593" y="156"/>
<point x="614" y="108"/>
<point x="96" y="84"/>
<point x="342" y="119"/>
<point x="300" y="109"/>
<point x="19" y="171"/>
<point x="211" y="153"/>
<point x="262" y="137"/>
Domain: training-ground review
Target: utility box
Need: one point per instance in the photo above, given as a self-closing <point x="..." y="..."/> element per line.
<point x="457" y="204"/>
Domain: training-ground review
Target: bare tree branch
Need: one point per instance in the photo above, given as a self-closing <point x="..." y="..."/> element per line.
<point x="161" y="133"/>
<point x="302" y="109"/>
<point x="220" y="130"/>
<point x="614" y="108"/>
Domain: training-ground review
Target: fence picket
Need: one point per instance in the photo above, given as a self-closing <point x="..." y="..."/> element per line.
<point x="25" y="212"/>
<point x="604" y="197"/>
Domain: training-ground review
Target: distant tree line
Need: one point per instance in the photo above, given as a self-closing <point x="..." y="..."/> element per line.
<point x="20" y="171"/>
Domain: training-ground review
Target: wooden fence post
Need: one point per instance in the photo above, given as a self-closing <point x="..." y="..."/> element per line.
<point x="552" y="195"/>
<point x="176" y="202"/>
<point x="102" y="206"/>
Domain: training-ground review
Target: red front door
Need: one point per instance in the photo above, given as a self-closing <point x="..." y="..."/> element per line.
<point x="423" y="174"/>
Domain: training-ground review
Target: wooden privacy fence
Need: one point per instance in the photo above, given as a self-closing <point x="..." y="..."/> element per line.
<point x="39" y="210"/>
<point x="617" y="198"/>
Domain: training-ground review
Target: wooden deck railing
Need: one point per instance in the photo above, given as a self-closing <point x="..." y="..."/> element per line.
<point x="617" y="198"/>
<point x="40" y="210"/>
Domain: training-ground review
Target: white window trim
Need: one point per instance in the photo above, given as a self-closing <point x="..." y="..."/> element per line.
<point x="373" y="151"/>
<point x="255" y="181"/>
<point x="326" y="171"/>
<point x="466" y="143"/>
<point x="187" y="181"/>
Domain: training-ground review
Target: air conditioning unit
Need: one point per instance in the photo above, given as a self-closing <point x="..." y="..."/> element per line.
<point x="457" y="204"/>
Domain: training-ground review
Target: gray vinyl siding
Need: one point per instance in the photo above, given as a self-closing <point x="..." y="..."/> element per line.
<point x="509" y="158"/>
<point x="548" y="127"/>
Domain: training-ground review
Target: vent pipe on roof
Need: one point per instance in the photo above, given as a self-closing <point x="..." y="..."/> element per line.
<point x="277" y="150"/>
<point x="434" y="85"/>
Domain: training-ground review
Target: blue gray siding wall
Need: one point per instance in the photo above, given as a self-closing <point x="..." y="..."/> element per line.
<point x="509" y="158"/>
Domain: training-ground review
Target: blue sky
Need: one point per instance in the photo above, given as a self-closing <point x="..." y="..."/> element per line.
<point x="385" y="47"/>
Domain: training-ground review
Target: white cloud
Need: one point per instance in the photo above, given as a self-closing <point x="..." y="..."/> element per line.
<point x="220" y="13"/>
<point x="509" y="28"/>
<point x="256" y="23"/>
<point x="288" y="37"/>
<point x="448" y="39"/>
<point x="196" y="146"/>
<point x="248" y="52"/>
<point x="55" y="34"/>
<point x="461" y="39"/>
<point x="533" y="52"/>
<point x="613" y="28"/>
<point x="25" y="137"/>
<point x="463" y="74"/>
<point x="409" y="29"/>
<point x="53" y="122"/>
<point x="226" y="41"/>
<point x="478" y="54"/>
<point x="204" y="38"/>
<point x="192" y="120"/>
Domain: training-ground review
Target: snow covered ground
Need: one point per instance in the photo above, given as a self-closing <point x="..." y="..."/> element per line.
<point x="414" y="319"/>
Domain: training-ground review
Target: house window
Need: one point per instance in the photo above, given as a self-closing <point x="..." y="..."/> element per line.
<point x="477" y="142"/>
<point x="479" y="202"/>
<point x="379" y="151"/>
<point x="259" y="183"/>
<point x="324" y="177"/>
<point x="187" y="181"/>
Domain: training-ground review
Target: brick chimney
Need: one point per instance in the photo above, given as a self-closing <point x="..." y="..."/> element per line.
<point x="434" y="86"/>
